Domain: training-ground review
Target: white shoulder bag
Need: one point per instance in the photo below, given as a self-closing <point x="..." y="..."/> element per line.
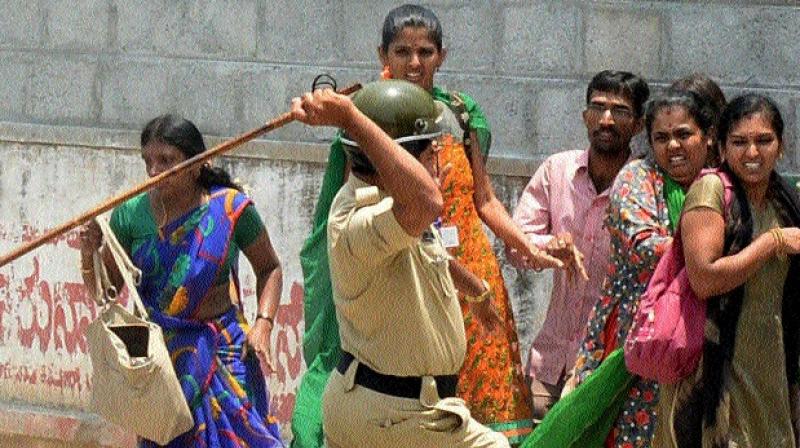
<point x="133" y="382"/>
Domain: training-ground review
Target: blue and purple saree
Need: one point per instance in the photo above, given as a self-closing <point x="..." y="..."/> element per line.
<point x="180" y="266"/>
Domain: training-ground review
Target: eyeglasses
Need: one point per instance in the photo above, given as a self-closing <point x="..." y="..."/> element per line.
<point x="618" y="113"/>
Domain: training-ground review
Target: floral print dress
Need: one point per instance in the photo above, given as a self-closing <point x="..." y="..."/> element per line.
<point x="638" y="223"/>
<point x="491" y="380"/>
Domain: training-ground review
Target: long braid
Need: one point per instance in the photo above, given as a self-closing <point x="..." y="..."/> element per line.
<point x="724" y="310"/>
<point x="788" y="208"/>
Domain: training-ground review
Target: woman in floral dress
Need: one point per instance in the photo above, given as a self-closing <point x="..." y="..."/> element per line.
<point x="645" y="207"/>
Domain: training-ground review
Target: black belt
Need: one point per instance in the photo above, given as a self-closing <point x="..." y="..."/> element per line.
<point x="398" y="386"/>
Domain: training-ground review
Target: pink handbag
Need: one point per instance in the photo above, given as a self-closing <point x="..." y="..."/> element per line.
<point x="665" y="342"/>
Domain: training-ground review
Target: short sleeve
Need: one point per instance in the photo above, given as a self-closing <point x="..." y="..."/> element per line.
<point x="532" y="212"/>
<point x="248" y="227"/>
<point x="120" y="225"/>
<point x="707" y="192"/>
<point x="373" y="233"/>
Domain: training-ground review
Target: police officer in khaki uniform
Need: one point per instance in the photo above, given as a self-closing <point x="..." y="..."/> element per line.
<point x="399" y="319"/>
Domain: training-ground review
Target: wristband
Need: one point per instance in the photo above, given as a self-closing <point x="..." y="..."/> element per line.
<point x="266" y="317"/>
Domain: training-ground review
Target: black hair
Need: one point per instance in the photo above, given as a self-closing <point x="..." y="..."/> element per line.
<point x="182" y="134"/>
<point x="745" y="106"/>
<point x="706" y="88"/>
<point x="621" y="83"/>
<point x="700" y="111"/>
<point x="410" y="16"/>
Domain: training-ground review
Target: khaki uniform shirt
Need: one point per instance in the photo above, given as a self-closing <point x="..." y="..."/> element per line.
<point x="397" y="308"/>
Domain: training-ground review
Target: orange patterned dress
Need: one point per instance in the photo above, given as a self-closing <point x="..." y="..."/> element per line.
<point x="491" y="380"/>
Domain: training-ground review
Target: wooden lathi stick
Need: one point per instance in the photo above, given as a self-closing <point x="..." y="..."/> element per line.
<point x="197" y="160"/>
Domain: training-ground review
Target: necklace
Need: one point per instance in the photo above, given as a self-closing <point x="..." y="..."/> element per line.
<point x="166" y="217"/>
<point x="161" y="220"/>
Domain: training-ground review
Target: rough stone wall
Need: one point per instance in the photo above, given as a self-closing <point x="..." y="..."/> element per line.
<point x="79" y="78"/>
<point x="229" y="64"/>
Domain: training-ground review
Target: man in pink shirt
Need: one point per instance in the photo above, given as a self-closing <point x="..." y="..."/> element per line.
<point x="562" y="209"/>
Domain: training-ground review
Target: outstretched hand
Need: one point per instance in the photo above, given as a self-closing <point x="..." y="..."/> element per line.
<point x="563" y="248"/>
<point x="537" y="259"/>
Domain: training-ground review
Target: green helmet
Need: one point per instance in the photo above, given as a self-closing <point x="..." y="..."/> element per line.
<point x="403" y="110"/>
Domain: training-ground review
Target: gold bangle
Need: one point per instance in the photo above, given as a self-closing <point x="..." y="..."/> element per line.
<point x="780" y="251"/>
<point x="483" y="296"/>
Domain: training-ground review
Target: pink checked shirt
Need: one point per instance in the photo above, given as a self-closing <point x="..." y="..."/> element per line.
<point x="561" y="198"/>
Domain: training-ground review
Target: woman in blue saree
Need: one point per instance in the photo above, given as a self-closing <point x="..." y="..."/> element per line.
<point x="186" y="236"/>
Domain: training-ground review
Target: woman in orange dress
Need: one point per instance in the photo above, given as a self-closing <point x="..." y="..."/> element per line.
<point x="491" y="380"/>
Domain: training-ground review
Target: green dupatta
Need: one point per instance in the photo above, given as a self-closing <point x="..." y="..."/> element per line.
<point x="584" y="418"/>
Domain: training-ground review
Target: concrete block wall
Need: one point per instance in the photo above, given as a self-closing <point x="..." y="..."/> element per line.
<point x="230" y="64"/>
<point x="79" y="76"/>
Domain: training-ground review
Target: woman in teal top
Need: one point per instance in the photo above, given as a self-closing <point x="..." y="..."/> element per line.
<point x="185" y="236"/>
<point x="134" y="224"/>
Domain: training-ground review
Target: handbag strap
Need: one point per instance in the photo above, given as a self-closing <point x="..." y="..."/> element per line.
<point x="727" y="197"/>
<point x="727" y="185"/>
<point x="131" y="275"/>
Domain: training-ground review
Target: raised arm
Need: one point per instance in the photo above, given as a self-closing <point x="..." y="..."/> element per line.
<point x="417" y="200"/>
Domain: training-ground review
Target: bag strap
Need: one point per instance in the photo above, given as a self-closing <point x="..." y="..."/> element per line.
<point x="727" y="195"/>
<point x="459" y="108"/>
<point x="726" y="183"/>
<point x="105" y="291"/>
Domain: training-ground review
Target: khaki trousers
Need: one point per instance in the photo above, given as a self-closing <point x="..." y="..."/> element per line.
<point x="357" y="417"/>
